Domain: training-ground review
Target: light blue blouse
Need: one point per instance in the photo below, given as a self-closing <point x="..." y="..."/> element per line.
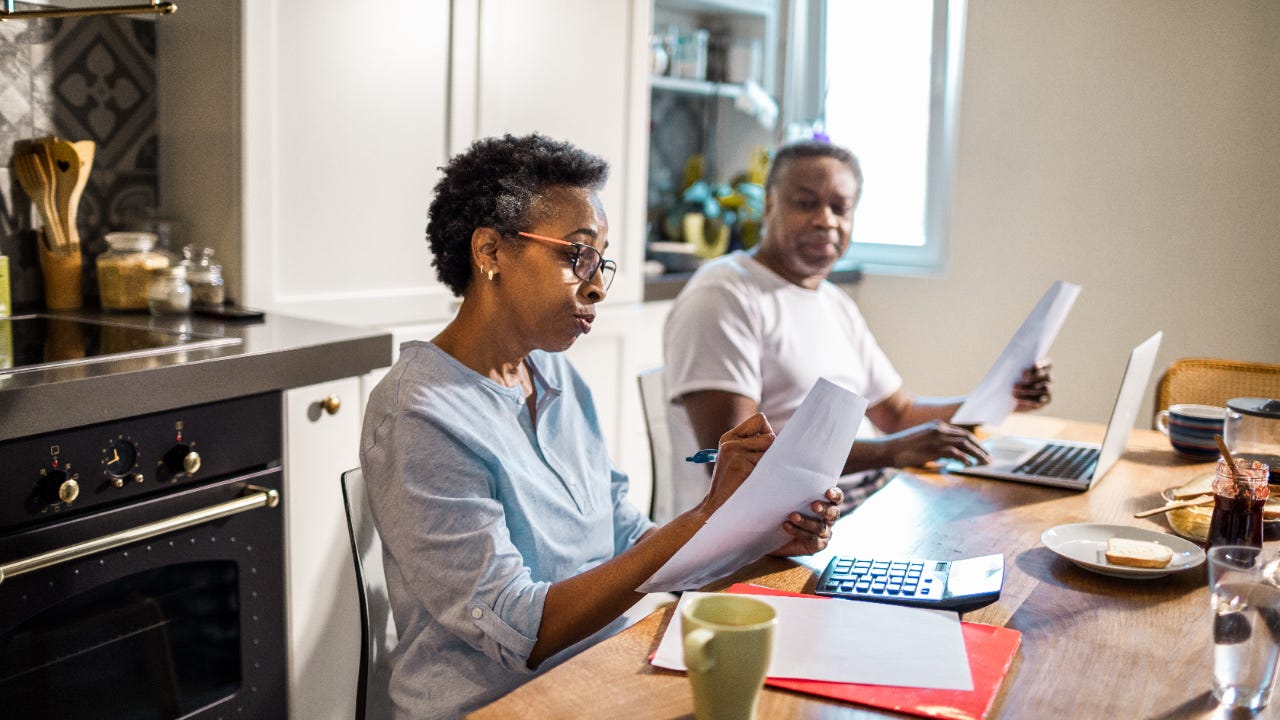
<point x="480" y="509"/>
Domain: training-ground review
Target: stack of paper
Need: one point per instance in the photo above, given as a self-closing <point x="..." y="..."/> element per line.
<point x="988" y="653"/>
<point x="804" y="461"/>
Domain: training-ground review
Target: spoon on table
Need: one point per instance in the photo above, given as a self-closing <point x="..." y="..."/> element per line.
<point x="1189" y="502"/>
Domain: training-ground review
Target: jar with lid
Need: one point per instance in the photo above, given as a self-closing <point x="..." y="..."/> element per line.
<point x="205" y="278"/>
<point x="124" y="270"/>
<point x="1252" y="431"/>
<point x="169" y="293"/>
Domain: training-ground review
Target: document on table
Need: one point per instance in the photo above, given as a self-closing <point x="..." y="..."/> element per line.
<point x="804" y="461"/>
<point x="993" y="400"/>
<point x="849" y="641"/>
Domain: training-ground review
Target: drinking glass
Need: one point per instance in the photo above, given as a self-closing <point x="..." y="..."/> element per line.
<point x="1244" y="599"/>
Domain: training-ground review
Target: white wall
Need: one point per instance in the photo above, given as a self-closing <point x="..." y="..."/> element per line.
<point x="1131" y="147"/>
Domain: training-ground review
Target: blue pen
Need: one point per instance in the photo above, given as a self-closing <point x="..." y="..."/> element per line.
<point x="703" y="456"/>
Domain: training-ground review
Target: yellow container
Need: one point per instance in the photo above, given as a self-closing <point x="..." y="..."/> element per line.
<point x="124" y="271"/>
<point x="6" y="307"/>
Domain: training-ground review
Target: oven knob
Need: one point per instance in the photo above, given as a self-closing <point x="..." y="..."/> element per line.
<point x="68" y="491"/>
<point x="182" y="459"/>
<point x="55" y="486"/>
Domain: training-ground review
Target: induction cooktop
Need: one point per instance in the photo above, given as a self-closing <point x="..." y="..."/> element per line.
<point x="39" y="341"/>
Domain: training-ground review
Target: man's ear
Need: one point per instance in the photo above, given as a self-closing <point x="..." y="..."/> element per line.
<point x="484" y="250"/>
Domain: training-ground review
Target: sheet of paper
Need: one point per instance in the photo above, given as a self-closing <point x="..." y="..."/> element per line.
<point x="853" y="642"/>
<point x="804" y="461"/>
<point x="992" y="401"/>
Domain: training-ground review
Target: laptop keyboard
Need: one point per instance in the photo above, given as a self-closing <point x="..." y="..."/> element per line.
<point x="1060" y="461"/>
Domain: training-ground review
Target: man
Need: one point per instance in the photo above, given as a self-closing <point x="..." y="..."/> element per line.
<point x="753" y="331"/>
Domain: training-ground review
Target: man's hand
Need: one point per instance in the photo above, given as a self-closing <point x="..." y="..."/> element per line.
<point x="935" y="440"/>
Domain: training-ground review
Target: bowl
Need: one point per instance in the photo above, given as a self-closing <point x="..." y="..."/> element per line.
<point x="1191" y="523"/>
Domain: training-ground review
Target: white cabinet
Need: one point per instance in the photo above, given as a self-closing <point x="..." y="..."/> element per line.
<point x="301" y="138"/>
<point x="575" y="70"/>
<point x="323" y="606"/>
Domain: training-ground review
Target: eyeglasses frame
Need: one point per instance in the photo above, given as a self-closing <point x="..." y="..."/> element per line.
<point x="577" y="254"/>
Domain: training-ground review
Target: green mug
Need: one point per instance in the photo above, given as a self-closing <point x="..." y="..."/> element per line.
<point x="728" y="640"/>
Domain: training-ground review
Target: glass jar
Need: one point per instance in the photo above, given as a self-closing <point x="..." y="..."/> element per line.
<point x="1238" y="498"/>
<point x="1252" y="431"/>
<point x="124" y="270"/>
<point x="169" y="293"/>
<point x="205" y="278"/>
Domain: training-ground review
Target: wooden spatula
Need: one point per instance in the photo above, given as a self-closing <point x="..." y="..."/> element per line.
<point x="67" y="169"/>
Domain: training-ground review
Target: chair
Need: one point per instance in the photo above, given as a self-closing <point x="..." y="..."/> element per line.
<point x="653" y="401"/>
<point x="677" y="485"/>
<point x="1209" y="381"/>
<point x="377" y="627"/>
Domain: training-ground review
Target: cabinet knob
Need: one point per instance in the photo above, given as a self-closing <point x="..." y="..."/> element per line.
<point x="331" y="404"/>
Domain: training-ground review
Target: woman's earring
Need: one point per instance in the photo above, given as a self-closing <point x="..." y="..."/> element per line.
<point x="490" y="273"/>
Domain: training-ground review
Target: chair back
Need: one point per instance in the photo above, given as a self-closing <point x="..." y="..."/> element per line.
<point x="1209" y="381"/>
<point x="677" y="485"/>
<point x="653" y="400"/>
<point x="377" y="626"/>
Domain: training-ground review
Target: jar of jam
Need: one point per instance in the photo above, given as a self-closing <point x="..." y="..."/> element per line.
<point x="1238" y="498"/>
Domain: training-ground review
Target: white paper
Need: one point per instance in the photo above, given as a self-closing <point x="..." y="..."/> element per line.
<point x="804" y="461"/>
<point x="852" y="642"/>
<point x="993" y="400"/>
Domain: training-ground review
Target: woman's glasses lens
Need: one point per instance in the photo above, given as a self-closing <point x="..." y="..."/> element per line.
<point x="589" y="261"/>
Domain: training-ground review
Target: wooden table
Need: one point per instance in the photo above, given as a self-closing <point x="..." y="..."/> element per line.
<point x="1093" y="646"/>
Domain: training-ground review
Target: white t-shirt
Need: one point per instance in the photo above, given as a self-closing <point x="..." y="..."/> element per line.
<point x="738" y="327"/>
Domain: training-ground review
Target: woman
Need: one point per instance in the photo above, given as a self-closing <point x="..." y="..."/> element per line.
<point x="509" y="541"/>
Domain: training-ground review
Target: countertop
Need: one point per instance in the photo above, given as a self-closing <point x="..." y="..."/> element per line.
<point x="279" y="353"/>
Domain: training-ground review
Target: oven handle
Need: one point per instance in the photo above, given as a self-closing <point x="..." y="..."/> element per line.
<point x="254" y="497"/>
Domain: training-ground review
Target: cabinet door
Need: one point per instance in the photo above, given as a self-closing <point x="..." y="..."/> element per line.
<point x="575" y="70"/>
<point x="323" y="606"/>
<point x="345" y="108"/>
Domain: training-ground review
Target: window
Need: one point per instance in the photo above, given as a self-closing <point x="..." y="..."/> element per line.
<point x="888" y="88"/>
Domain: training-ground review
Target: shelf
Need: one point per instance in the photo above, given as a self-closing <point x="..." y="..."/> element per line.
<point x="762" y="8"/>
<point x="695" y="87"/>
<point x="668" y="285"/>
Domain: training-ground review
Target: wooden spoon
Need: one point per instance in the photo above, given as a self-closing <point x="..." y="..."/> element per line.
<point x="1190" y="502"/>
<point x="37" y="184"/>
<point x="1226" y="455"/>
<point x="85" y="149"/>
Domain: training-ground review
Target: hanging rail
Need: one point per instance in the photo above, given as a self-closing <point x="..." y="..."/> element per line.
<point x="156" y="7"/>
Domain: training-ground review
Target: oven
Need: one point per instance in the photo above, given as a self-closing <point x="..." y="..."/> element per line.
<point x="142" y="567"/>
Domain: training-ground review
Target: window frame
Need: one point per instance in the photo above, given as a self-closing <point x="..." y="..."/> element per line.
<point x="809" y="37"/>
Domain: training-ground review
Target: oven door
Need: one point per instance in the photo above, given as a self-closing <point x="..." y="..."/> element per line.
<point x="170" y="607"/>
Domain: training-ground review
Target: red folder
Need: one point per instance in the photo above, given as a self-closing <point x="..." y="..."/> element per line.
<point x="991" y="650"/>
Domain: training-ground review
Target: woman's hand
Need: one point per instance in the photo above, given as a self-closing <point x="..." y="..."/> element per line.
<point x="811" y="534"/>
<point x="1033" y="391"/>
<point x="740" y="450"/>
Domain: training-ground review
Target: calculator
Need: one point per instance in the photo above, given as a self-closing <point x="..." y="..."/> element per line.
<point x="961" y="585"/>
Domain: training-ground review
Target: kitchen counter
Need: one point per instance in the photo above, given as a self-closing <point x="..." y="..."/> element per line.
<point x="277" y="354"/>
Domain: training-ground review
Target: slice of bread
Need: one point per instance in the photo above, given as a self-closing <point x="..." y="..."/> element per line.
<point x="1138" y="553"/>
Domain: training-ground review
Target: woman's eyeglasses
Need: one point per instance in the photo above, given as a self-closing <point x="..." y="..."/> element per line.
<point x="586" y="260"/>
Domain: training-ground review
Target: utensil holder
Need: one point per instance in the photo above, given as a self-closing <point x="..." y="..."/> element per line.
<point x="63" y="289"/>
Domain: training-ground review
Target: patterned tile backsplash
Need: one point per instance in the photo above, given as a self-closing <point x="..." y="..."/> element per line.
<point x="88" y="78"/>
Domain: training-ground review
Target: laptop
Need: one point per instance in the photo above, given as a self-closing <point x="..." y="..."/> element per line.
<point x="1062" y="463"/>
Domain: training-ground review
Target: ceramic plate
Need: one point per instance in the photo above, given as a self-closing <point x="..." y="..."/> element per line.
<point x="1085" y="544"/>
